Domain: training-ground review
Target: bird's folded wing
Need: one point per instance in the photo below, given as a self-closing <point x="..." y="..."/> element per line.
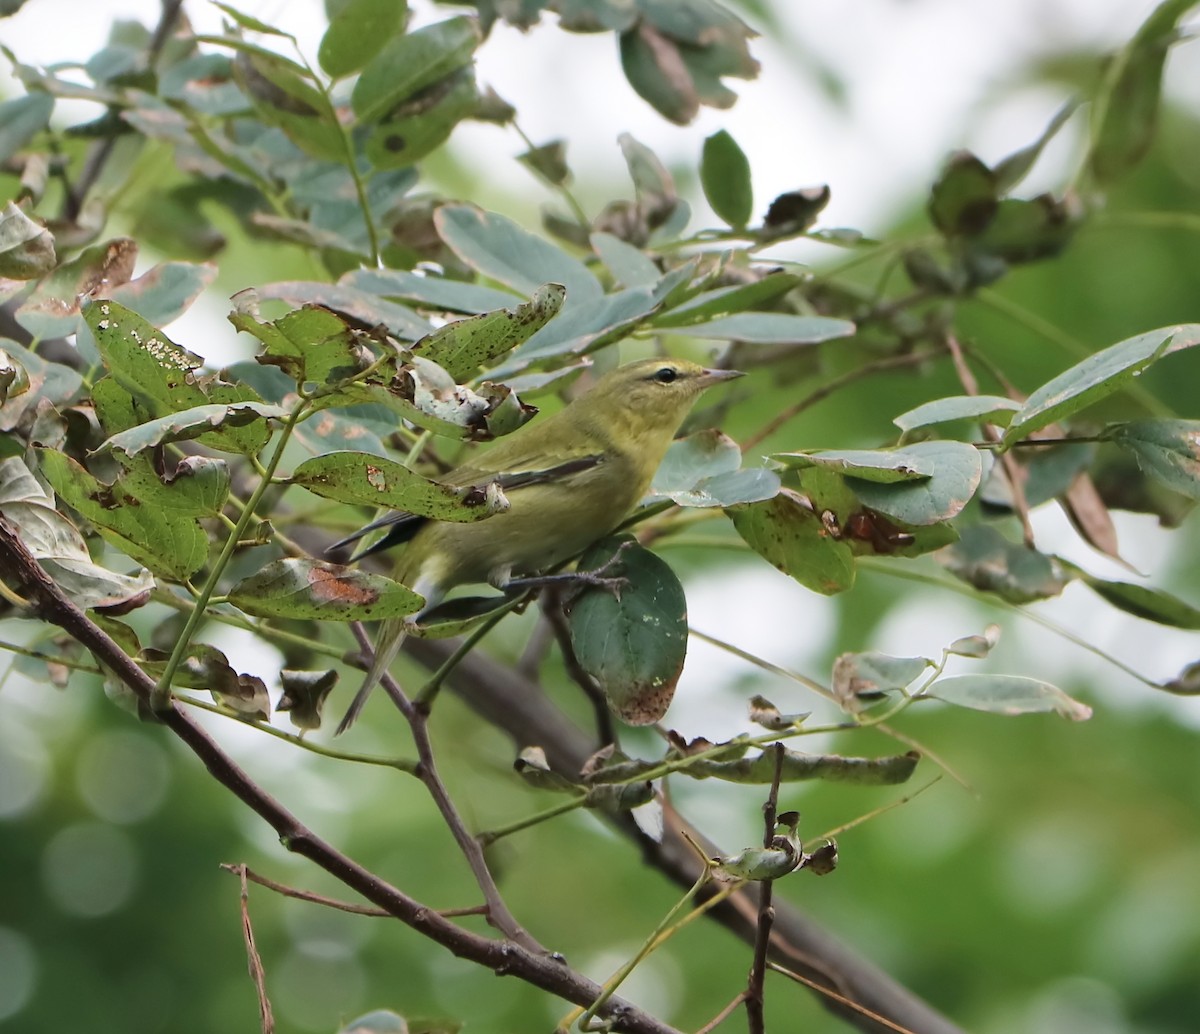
<point x="402" y="525"/>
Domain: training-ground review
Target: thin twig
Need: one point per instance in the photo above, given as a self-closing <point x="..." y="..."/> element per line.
<point x="504" y="957"/>
<point x="874" y="813"/>
<point x="766" y="913"/>
<point x="605" y="730"/>
<point x="537" y="646"/>
<point x="498" y="914"/>
<point x="522" y="709"/>
<point x="1012" y="469"/>
<point x="341" y="906"/>
<point x="875" y="1017"/>
<point x="98" y="156"/>
<point x="253" y="959"/>
<point x="723" y="1015"/>
<point x="884" y="365"/>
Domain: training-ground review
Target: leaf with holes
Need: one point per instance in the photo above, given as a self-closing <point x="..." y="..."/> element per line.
<point x="359" y="477"/>
<point x="463" y="346"/>
<point x="790" y="536"/>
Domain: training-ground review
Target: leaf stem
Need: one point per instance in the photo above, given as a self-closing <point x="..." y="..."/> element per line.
<point x="400" y="764"/>
<point x="161" y="697"/>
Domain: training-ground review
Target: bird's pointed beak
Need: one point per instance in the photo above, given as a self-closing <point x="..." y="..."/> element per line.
<point x="717" y="376"/>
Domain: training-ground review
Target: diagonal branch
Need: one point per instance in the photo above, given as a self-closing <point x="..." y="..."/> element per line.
<point x="502" y="956"/>
<point x="498" y="914"/>
<point x="865" y="996"/>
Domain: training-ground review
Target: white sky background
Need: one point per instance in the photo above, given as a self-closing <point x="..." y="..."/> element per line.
<point x="920" y="76"/>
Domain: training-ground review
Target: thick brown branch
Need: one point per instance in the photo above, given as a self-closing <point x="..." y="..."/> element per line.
<point x="503" y="957"/>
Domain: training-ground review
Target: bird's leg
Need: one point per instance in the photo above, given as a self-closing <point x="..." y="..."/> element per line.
<point x="600" y="578"/>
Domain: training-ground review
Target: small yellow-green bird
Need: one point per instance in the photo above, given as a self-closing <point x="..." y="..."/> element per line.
<point x="569" y="479"/>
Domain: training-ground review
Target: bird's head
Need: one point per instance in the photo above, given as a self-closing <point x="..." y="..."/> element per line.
<point x="651" y="395"/>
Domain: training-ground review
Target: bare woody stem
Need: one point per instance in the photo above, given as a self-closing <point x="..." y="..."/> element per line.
<point x="417" y="717"/>
<point x="504" y="957"/>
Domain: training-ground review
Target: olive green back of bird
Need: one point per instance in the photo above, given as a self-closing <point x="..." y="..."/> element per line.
<point x="569" y="479"/>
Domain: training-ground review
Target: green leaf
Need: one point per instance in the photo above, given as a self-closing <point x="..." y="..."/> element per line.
<point x="629" y="266"/>
<point x="26" y="247"/>
<point x="409" y="63"/>
<point x="1143" y="601"/>
<point x="303" y="588"/>
<point x="496" y="247"/>
<point x="1008" y="695"/>
<point x="169" y="544"/>
<point x="59" y="548"/>
<point x="166" y="291"/>
<point x="357" y="31"/>
<point x="359" y="477"/>
<point x="463" y="346"/>
<point x="859" y="675"/>
<point x="773" y="328"/>
<point x="435" y="291"/>
<point x="692" y="459"/>
<point x="247" y="21"/>
<point x="725" y="177"/>
<point x="984" y="558"/>
<point x="652" y="182"/>
<point x="310" y="344"/>
<point x="197" y="487"/>
<point x="188" y="424"/>
<point x="14" y="380"/>
<point x="883" y="466"/>
<point x="284" y="95"/>
<point x="992" y="409"/>
<point x="790" y="536"/>
<point x="760" y="770"/>
<point x="702" y="470"/>
<point x="633" y="644"/>
<point x="1016" y="166"/>
<point x="162" y="376"/>
<point x="1049" y="473"/>
<point x="585" y="327"/>
<point x="21" y="119"/>
<point x="52" y="382"/>
<point x="964" y="198"/>
<point x="1165" y="449"/>
<point x="723" y="301"/>
<point x="424" y="123"/>
<point x="52" y="309"/>
<point x="655" y="69"/>
<point x="1098" y="376"/>
<point x="1125" y="115"/>
<point x="1025" y="231"/>
<point x="956" y="470"/>
<point x="750" y="485"/>
<point x="359" y="305"/>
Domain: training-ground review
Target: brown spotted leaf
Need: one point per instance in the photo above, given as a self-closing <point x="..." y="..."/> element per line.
<point x="301" y="588"/>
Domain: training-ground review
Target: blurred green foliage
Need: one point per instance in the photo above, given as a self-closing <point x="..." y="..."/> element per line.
<point x="1056" y="892"/>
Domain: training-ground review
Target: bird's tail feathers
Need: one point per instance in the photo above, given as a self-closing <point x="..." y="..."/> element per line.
<point x="385" y="653"/>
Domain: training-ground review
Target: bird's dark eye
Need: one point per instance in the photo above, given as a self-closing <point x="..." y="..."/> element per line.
<point x="666" y="374"/>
